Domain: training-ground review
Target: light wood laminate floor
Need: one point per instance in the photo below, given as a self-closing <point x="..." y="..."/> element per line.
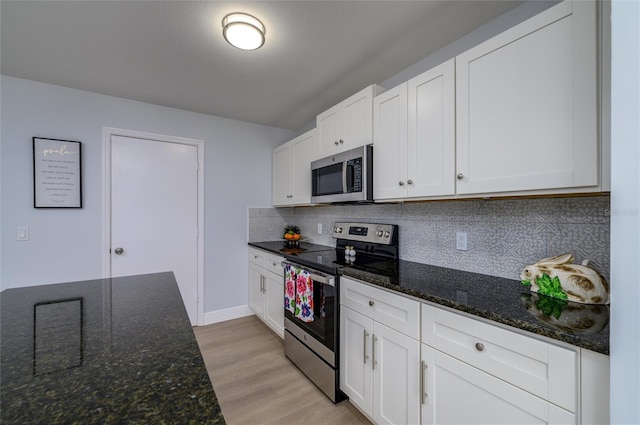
<point x="256" y="384"/>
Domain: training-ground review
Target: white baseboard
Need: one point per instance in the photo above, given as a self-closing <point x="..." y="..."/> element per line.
<point x="227" y="314"/>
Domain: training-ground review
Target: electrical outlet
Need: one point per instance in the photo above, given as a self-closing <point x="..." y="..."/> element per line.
<point x="319" y="228"/>
<point x="461" y="241"/>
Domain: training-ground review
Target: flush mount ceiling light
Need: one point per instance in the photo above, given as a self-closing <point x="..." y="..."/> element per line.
<point x="243" y="31"/>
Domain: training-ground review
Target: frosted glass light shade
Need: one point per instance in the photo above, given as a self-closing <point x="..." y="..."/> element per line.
<point x="243" y="31"/>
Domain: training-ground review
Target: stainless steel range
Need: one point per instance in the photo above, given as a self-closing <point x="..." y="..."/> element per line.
<point x="311" y="297"/>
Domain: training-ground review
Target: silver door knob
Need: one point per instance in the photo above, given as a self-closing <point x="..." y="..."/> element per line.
<point x="460" y="176"/>
<point x="118" y="251"/>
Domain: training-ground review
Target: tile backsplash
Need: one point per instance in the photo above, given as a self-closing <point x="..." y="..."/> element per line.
<point x="503" y="236"/>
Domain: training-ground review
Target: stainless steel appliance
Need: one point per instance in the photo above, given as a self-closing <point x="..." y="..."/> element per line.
<point x="311" y="320"/>
<point x="343" y="177"/>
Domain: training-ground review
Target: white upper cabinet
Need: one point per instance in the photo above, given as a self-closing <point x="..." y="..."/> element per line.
<point x="291" y="174"/>
<point x="347" y="125"/>
<point x="414" y="137"/>
<point x="390" y="121"/>
<point x="526" y="107"/>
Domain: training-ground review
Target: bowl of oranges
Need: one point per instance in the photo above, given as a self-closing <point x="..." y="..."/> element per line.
<point x="292" y="235"/>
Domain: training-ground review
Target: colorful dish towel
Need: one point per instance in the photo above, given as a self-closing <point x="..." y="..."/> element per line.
<point x="304" y="296"/>
<point x="290" y="288"/>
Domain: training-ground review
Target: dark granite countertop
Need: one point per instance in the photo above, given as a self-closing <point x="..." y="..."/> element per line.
<point x="280" y="248"/>
<point x="117" y="350"/>
<point x="501" y="300"/>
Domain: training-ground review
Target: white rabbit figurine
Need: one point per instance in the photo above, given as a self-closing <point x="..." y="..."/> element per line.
<point x="557" y="277"/>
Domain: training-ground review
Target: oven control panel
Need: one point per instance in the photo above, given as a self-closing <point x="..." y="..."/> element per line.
<point x="366" y="232"/>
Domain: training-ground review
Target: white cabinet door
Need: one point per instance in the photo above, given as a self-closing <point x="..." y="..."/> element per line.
<point x="256" y="288"/>
<point x="414" y="137"/>
<point x="303" y="150"/>
<point x="431" y="132"/>
<point x="347" y="125"/>
<point x="274" y="302"/>
<point x="356" y="120"/>
<point x="291" y="170"/>
<point x="457" y="393"/>
<point x="355" y="358"/>
<point x="526" y="105"/>
<point x="328" y="128"/>
<point x="396" y="377"/>
<point x="390" y="143"/>
<point x="281" y="175"/>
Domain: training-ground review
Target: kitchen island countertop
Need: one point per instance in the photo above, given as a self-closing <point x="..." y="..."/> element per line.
<point x="118" y="350"/>
<point x="500" y="300"/>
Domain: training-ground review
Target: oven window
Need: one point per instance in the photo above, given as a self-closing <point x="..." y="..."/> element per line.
<point x="327" y="180"/>
<point x="320" y="322"/>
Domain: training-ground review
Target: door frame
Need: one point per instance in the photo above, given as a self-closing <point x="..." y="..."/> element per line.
<point x="107" y="134"/>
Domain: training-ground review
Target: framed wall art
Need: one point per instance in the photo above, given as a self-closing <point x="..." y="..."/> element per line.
<point x="57" y="173"/>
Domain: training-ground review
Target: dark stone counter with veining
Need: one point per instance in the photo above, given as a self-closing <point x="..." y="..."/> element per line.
<point x="117" y="350"/>
<point x="501" y="300"/>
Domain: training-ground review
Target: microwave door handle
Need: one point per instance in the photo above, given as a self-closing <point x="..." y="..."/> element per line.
<point x="345" y="165"/>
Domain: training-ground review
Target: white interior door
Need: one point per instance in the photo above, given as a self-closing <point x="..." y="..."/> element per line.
<point x="154" y="212"/>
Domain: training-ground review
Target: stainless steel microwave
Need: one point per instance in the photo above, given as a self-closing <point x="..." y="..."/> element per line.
<point x="343" y="177"/>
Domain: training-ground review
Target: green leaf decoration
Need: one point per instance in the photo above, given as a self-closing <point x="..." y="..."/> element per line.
<point x="551" y="306"/>
<point x="551" y="287"/>
<point x="526" y="282"/>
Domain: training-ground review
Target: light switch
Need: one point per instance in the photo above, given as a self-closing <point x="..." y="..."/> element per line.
<point x="23" y="233"/>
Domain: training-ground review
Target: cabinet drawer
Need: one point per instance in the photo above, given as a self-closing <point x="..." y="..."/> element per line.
<point x="395" y="311"/>
<point x="543" y="369"/>
<point x="457" y="393"/>
<point x="256" y="257"/>
<point x="273" y="263"/>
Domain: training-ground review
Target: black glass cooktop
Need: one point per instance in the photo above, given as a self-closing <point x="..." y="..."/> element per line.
<point x="330" y="261"/>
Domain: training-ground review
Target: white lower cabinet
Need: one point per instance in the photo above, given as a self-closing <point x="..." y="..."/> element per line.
<point x="380" y="365"/>
<point x="457" y="393"/>
<point x="266" y="288"/>
<point x="407" y="362"/>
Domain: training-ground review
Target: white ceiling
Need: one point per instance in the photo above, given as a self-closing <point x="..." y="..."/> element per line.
<point x="172" y="52"/>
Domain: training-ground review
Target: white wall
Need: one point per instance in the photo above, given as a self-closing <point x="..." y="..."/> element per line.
<point x="625" y="212"/>
<point x="65" y="245"/>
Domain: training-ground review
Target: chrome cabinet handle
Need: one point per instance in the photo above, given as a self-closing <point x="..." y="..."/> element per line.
<point x="423" y="386"/>
<point x="373" y="351"/>
<point x="479" y="346"/>
<point x="401" y="183"/>
<point x="364" y="346"/>
<point x="409" y="181"/>
<point x="118" y="251"/>
<point x="371" y="303"/>
<point x="460" y="176"/>
<point x="336" y="142"/>
<point x="341" y="141"/>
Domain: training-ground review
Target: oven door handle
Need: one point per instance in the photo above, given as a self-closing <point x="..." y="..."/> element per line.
<point x="315" y="276"/>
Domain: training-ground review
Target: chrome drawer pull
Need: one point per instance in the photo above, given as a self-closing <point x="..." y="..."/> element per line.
<point x="371" y="303"/>
<point x="479" y="346"/>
